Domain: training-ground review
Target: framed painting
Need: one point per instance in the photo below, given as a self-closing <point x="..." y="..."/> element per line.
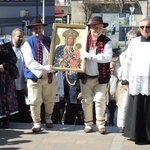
<point x="68" y="42"/>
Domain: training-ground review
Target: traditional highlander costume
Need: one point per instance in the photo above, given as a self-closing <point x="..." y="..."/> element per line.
<point x="41" y="87"/>
<point x="94" y="83"/>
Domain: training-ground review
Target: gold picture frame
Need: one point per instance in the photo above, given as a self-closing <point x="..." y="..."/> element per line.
<point x="65" y="56"/>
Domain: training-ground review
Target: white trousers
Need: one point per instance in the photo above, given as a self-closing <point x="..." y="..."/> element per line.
<point x="42" y="91"/>
<point x="93" y="91"/>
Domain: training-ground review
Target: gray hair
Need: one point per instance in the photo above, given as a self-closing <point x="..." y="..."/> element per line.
<point x="146" y="18"/>
<point x="14" y="31"/>
<point x="134" y="33"/>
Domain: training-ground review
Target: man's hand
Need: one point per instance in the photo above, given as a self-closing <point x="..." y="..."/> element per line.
<point x="86" y="55"/>
<point x="48" y="68"/>
<point x="112" y="67"/>
<point x="79" y="97"/>
<point x="126" y="87"/>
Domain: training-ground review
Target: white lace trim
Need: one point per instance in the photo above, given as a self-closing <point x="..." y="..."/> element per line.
<point x="139" y="85"/>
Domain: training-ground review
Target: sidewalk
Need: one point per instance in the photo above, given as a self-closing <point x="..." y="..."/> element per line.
<point x="64" y="137"/>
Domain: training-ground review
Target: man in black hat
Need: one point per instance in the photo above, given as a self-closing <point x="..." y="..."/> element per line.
<point x="94" y="82"/>
<point x="41" y="82"/>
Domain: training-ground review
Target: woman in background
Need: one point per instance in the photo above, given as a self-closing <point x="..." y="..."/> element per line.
<point x="8" y="99"/>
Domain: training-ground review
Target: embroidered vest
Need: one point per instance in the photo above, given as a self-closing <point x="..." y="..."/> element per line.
<point x="37" y="53"/>
<point x="103" y="68"/>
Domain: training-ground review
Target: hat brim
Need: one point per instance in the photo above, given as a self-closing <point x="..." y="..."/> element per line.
<point x="96" y="23"/>
<point x="36" y="24"/>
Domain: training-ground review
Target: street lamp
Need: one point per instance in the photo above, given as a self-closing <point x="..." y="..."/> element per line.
<point x="131" y="10"/>
<point x="43" y="16"/>
<point x="37" y="11"/>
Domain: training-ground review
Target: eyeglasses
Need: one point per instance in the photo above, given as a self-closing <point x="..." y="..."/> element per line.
<point x="146" y="27"/>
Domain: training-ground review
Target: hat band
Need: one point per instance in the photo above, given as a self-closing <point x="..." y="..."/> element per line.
<point x="35" y="24"/>
<point x="96" y="22"/>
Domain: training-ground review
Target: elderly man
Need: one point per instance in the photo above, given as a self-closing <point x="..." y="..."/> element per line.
<point x="38" y="73"/>
<point x="94" y="83"/>
<point x="136" y="79"/>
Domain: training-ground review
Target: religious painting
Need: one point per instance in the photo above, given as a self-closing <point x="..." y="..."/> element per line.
<point x="68" y="43"/>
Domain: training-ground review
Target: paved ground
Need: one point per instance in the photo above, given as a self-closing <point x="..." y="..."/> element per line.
<point x="64" y="137"/>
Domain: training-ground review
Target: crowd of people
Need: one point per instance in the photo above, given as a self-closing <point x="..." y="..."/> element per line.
<point x="75" y="98"/>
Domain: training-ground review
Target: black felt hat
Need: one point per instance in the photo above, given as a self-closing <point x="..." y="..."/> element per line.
<point x="36" y="22"/>
<point x="97" y="20"/>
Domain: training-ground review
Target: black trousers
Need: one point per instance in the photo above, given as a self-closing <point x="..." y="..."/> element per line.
<point x="24" y="110"/>
<point x="74" y="114"/>
<point x="111" y="112"/>
<point x="137" y="122"/>
<point x="58" y="112"/>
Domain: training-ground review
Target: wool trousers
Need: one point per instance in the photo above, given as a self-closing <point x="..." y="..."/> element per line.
<point x="93" y="91"/>
<point x="42" y="92"/>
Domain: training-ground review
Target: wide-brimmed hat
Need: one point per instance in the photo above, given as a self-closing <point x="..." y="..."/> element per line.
<point x="97" y="20"/>
<point x="36" y="22"/>
<point x="71" y="32"/>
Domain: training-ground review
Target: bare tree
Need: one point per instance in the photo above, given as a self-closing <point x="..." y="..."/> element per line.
<point x="87" y="10"/>
<point x="121" y="4"/>
<point x="105" y="6"/>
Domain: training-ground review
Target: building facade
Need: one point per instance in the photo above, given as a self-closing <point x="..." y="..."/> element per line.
<point x="78" y="15"/>
<point x="19" y="13"/>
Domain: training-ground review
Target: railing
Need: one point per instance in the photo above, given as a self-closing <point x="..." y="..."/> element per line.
<point x="63" y="3"/>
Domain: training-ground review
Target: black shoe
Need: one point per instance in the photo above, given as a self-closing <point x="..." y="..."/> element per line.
<point x="142" y="142"/>
<point x="121" y="130"/>
<point x="5" y="122"/>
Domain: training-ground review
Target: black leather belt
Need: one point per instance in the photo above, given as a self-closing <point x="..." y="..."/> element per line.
<point x="35" y="79"/>
<point x="91" y="77"/>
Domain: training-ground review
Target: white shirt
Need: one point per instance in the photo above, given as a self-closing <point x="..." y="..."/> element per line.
<point x="36" y="68"/>
<point x="20" y="62"/>
<point x="137" y="67"/>
<point x="92" y="66"/>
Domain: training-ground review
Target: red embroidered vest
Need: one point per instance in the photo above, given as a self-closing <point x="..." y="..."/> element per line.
<point x="103" y="68"/>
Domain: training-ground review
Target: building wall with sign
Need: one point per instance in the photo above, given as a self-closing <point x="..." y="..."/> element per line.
<point x="16" y="14"/>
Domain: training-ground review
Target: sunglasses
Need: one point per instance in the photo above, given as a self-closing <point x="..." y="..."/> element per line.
<point x="146" y="27"/>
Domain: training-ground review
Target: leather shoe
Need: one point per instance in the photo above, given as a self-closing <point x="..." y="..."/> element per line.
<point x="36" y="127"/>
<point x="102" y="130"/>
<point x="49" y="125"/>
<point x="88" y="129"/>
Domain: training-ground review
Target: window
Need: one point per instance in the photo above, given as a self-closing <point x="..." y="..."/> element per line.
<point x="61" y="20"/>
